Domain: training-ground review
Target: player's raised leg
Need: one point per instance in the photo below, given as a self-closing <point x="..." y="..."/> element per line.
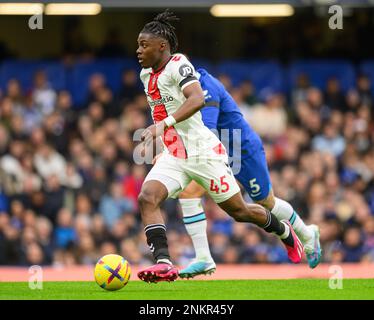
<point x="195" y="222"/>
<point x="263" y="218"/>
<point x="216" y="177"/>
<point x="255" y="178"/>
<point x="309" y="235"/>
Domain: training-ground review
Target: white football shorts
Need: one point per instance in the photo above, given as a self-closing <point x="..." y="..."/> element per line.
<point x="214" y="175"/>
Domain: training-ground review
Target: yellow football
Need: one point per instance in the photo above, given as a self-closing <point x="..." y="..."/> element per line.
<point x="112" y="272"/>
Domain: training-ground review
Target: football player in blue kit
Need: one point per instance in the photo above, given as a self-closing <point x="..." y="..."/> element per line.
<point x="245" y="148"/>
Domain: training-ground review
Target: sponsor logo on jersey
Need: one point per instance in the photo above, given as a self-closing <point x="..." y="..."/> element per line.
<point x="186" y="71"/>
<point x="163" y="100"/>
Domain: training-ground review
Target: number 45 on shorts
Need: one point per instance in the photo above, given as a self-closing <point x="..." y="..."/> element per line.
<point x="222" y="187"/>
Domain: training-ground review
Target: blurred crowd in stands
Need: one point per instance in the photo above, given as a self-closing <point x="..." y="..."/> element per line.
<point x="69" y="185"/>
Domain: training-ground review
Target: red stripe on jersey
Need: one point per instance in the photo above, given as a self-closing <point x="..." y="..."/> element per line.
<point x="171" y="138"/>
<point x="176" y="58"/>
<point x="219" y="149"/>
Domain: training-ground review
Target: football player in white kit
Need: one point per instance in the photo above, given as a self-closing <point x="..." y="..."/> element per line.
<point x="191" y="150"/>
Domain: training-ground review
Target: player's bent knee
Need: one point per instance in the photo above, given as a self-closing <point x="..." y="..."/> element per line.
<point x="185" y="195"/>
<point x="148" y="199"/>
<point x="268" y="202"/>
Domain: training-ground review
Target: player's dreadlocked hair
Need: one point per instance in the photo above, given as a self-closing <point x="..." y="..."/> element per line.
<point x="162" y="27"/>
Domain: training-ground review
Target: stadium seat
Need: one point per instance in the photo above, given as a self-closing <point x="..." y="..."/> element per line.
<point x="24" y="71"/>
<point x="263" y="74"/>
<point x="202" y="63"/>
<point x="112" y="69"/>
<point x="319" y="71"/>
<point x="367" y="67"/>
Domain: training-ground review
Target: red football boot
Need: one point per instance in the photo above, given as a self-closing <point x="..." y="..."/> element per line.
<point x="159" y="272"/>
<point x="295" y="253"/>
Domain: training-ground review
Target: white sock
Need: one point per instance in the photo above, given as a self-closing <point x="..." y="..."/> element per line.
<point x="164" y="261"/>
<point x="286" y="231"/>
<point x="284" y="211"/>
<point x="195" y="222"/>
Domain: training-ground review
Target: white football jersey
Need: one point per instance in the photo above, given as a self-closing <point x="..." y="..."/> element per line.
<point x="164" y="90"/>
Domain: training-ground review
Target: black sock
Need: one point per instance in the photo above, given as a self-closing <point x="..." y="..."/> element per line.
<point x="273" y="225"/>
<point x="157" y="241"/>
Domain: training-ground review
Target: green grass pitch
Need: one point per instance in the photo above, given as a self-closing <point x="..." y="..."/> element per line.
<point x="299" y="289"/>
